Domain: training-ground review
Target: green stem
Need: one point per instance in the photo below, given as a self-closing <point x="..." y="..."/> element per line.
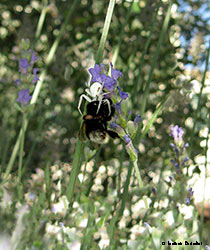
<point x="75" y="170"/>
<point x="105" y="31"/>
<point x="20" y="164"/>
<point x="135" y="164"/>
<point x="159" y="108"/>
<point x="6" y="142"/>
<point x="41" y="20"/>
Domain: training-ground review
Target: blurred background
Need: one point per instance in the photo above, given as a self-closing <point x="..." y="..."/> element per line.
<point x="132" y="43"/>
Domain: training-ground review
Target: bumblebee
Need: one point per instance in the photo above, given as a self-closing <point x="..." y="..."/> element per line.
<point x="95" y="122"/>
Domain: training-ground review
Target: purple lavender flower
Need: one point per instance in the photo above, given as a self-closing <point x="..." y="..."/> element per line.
<point x="32" y="196"/>
<point x="120" y="131"/>
<point x="33" y="57"/>
<point x="23" y="96"/>
<point x="176" y="164"/>
<point x="187" y="201"/>
<point x="186" y="145"/>
<point x="117" y="106"/>
<point x="114" y="125"/>
<point x="172" y="145"/>
<point x="177" y="133"/>
<point x="146" y="224"/>
<point x="102" y="67"/>
<point x="36" y="78"/>
<point x="61" y="224"/>
<point x="127" y="138"/>
<point x="115" y="73"/>
<point x="137" y="119"/>
<point x="189" y="196"/>
<point x="191" y="192"/>
<point x="23" y="65"/>
<point x="123" y="95"/>
<point x="17" y="81"/>
<point x="108" y="82"/>
<point x="185" y="160"/>
<point x="95" y="72"/>
<point x="153" y="190"/>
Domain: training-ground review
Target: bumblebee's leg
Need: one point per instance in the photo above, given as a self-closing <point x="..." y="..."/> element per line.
<point x="82" y="132"/>
<point x="112" y="134"/>
<point x="80" y="101"/>
<point x="109" y="106"/>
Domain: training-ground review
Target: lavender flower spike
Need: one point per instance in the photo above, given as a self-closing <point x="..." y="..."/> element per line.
<point x="137" y="119"/>
<point x="98" y="76"/>
<point x="33" y="57"/>
<point x="95" y="72"/>
<point x="23" y="96"/>
<point x="23" y="65"/>
<point x="115" y="73"/>
<point x="123" y="95"/>
<point x="127" y="138"/>
<point x="177" y="133"/>
<point x="36" y="78"/>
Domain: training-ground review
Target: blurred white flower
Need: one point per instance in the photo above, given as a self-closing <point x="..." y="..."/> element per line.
<point x="61" y="206"/>
<point x="5" y="242"/>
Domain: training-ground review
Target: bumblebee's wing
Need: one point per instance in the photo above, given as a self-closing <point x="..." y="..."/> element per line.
<point x="82" y="132"/>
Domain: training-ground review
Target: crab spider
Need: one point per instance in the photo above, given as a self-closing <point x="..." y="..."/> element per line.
<point x="96" y="92"/>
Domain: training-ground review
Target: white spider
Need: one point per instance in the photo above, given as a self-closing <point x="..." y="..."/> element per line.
<point x="95" y="91"/>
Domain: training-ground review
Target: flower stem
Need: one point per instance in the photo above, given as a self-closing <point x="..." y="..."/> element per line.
<point x="75" y="170"/>
<point x="21" y="149"/>
<point x="135" y="164"/>
<point x="21" y="152"/>
<point x="105" y="31"/>
<point x="41" y="19"/>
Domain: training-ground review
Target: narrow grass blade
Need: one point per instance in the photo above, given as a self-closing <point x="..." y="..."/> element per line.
<point x="200" y="96"/>
<point x="122" y="32"/>
<point x="162" y="34"/>
<point x="154" y="116"/>
<point x="138" y="87"/>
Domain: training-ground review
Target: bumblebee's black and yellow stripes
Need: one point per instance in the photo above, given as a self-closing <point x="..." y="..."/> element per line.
<point x="95" y="123"/>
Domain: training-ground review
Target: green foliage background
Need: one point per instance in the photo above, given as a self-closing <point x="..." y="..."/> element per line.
<point x="52" y="132"/>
